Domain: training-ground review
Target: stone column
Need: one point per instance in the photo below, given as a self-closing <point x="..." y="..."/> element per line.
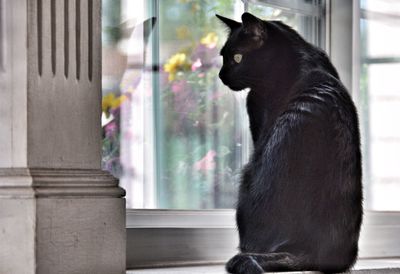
<point x="59" y="212"/>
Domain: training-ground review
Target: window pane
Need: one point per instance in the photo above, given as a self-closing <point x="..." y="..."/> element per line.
<point x="200" y="121"/>
<point x="380" y="103"/>
<point x="383" y="30"/>
<point x="387" y="7"/>
<point x="174" y="135"/>
<point x="306" y="25"/>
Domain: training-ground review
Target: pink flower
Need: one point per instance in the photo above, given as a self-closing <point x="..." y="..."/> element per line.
<point x="217" y="95"/>
<point x="178" y="86"/>
<point x="197" y="64"/>
<point x="207" y="162"/>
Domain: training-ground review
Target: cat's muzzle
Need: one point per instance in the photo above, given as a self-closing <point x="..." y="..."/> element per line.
<point x="229" y="82"/>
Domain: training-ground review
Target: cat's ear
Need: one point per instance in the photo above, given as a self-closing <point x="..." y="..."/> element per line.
<point x="232" y="24"/>
<point x="253" y="25"/>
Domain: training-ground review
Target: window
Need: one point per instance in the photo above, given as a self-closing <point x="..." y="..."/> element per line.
<point x="379" y="102"/>
<point x="174" y="135"/>
<point x="374" y="73"/>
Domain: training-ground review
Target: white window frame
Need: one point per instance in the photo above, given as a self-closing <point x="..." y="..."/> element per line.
<point x="190" y="237"/>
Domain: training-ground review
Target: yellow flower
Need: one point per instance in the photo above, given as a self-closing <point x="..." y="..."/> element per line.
<point x="210" y="40"/>
<point x="118" y="101"/>
<point x="195" y="7"/>
<point x="182" y="32"/>
<point x="175" y="63"/>
<point x="107" y="101"/>
<point x="110" y="101"/>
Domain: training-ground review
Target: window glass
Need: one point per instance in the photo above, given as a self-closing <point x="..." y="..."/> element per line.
<point x="379" y="103"/>
<point x="302" y="23"/>
<point x="173" y="134"/>
<point x="200" y="121"/>
<point x="382" y="29"/>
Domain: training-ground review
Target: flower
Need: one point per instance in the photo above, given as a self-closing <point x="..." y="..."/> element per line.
<point x="107" y="101"/>
<point x="175" y="63"/>
<point x="210" y="40"/>
<point x="111" y="129"/>
<point x="178" y="86"/>
<point x="207" y="162"/>
<point x="110" y="102"/>
<point x="195" y="7"/>
<point x="118" y="101"/>
<point x="196" y="64"/>
<point x="182" y="32"/>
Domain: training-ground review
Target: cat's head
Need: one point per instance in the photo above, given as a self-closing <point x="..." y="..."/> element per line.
<point x="246" y="51"/>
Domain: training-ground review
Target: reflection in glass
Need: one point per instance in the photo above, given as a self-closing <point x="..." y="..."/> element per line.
<point x="174" y="135"/>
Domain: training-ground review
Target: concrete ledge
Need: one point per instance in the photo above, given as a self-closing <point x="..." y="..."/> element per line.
<point x="56" y="182"/>
<point x="363" y="266"/>
<point x="220" y="270"/>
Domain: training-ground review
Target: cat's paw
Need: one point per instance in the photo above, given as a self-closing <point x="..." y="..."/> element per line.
<point x="243" y="264"/>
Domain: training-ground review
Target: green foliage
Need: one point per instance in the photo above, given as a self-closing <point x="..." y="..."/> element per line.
<point x="197" y="112"/>
<point x="111" y="21"/>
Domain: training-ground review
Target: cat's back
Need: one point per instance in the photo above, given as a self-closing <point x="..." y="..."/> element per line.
<point x="324" y="160"/>
<point x="322" y="103"/>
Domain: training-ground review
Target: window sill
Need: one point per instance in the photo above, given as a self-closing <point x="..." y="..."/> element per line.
<point x="364" y="266"/>
<point x="159" y="238"/>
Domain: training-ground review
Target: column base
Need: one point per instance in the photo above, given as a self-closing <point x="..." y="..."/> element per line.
<point x="61" y="221"/>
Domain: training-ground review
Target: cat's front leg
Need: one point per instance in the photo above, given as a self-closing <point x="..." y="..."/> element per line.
<point x="243" y="263"/>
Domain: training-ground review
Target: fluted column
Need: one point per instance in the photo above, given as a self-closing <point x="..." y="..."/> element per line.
<point x="59" y="212"/>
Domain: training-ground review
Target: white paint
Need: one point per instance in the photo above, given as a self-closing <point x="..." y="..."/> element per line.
<point x="341" y="40"/>
<point x="13" y="85"/>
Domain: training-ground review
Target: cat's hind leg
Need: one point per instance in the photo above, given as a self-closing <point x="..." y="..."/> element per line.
<point x="256" y="263"/>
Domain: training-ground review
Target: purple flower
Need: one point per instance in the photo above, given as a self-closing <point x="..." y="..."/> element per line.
<point x="111" y="129"/>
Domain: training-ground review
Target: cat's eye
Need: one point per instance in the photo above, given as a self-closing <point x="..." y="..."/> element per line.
<point x="237" y="58"/>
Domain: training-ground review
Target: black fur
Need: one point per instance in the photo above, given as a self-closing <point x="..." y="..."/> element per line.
<point x="300" y="198"/>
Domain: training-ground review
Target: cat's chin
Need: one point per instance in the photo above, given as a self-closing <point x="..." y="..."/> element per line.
<point x="236" y="88"/>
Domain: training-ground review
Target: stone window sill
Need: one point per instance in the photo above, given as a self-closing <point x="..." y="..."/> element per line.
<point x="364" y="266"/>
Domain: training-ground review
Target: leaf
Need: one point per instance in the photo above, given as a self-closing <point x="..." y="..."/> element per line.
<point x="223" y="151"/>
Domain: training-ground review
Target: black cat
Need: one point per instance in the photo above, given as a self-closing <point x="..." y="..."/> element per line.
<point x="300" y="198"/>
